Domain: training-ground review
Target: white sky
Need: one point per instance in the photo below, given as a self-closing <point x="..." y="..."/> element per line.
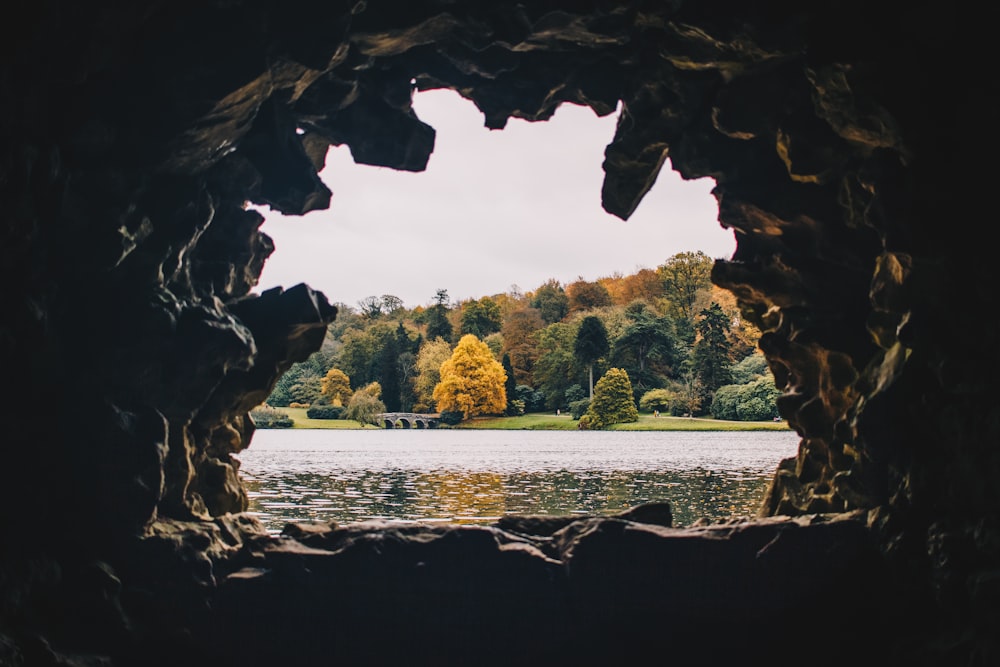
<point x="494" y="208"/>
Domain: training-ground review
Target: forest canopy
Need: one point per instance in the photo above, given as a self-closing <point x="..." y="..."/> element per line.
<point x="679" y="339"/>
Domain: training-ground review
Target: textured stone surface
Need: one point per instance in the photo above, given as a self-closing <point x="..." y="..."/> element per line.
<point x="599" y="590"/>
<point x="847" y="140"/>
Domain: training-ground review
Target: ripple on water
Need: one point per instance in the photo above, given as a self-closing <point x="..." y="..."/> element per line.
<point x="466" y="476"/>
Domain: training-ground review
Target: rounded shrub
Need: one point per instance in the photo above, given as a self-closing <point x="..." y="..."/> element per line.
<point x="325" y="412"/>
<point x="452" y="417"/>
<point x="613" y="402"/>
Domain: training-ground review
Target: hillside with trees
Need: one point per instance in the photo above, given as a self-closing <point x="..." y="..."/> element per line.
<point x="679" y="342"/>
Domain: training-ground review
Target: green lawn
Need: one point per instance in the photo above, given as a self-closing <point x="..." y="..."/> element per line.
<point x="564" y="422"/>
<point x="647" y="422"/>
<point x="298" y="415"/>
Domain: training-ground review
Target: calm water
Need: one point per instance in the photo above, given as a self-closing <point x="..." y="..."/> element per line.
<point x="468" y="476"/>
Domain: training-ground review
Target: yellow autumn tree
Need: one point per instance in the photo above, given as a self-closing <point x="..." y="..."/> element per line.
<point x="336" y="386"/>
<point x="472" y="381"/>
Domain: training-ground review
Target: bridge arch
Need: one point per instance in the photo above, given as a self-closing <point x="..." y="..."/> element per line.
<point x="408" y="420"/>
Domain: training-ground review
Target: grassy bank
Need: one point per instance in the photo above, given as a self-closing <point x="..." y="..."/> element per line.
<point x="298" y="415"/>
<point x="646" y="422"/>
<point x="550" y="422"/>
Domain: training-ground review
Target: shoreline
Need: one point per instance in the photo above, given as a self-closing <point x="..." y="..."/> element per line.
<point x="553" y="422"/>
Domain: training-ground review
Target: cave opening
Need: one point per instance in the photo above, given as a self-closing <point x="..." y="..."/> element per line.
<point x="837" y="138"/>
<point x="490" y="202"/>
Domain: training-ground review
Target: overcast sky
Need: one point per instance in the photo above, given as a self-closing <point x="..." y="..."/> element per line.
<point x="493" y="209"/>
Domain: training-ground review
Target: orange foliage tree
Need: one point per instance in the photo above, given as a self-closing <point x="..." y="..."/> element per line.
<point x="472" y="381"/>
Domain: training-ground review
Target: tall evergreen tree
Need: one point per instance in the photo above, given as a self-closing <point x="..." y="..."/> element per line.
<point x="590" y="345"/>
<point x="389" y="375"/>
<point x="712" y="360"/>
<point x="438" y="324"/>
<point x="511" y="384"/>
<point x="407" y="372"/>
<point x="406" y="360"/>
<point x="403" y="341"/>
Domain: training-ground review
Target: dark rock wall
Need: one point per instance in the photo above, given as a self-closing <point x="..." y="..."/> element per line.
<point x="848" y="143"/>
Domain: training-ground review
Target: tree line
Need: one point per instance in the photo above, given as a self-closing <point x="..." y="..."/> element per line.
<point x="677" y="341"/>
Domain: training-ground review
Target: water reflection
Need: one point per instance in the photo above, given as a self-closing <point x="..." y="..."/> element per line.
<point x="478" y="476"/>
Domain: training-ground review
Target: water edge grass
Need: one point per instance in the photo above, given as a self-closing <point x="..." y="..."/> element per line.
<point x="647" y="422"/>
<point x="553" y="422"/>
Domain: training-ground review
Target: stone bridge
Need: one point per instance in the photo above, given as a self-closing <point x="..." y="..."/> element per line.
<point x="407" y="420"/>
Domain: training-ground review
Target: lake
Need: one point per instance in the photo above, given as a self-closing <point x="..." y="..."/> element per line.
<point x="477" y="476"/>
